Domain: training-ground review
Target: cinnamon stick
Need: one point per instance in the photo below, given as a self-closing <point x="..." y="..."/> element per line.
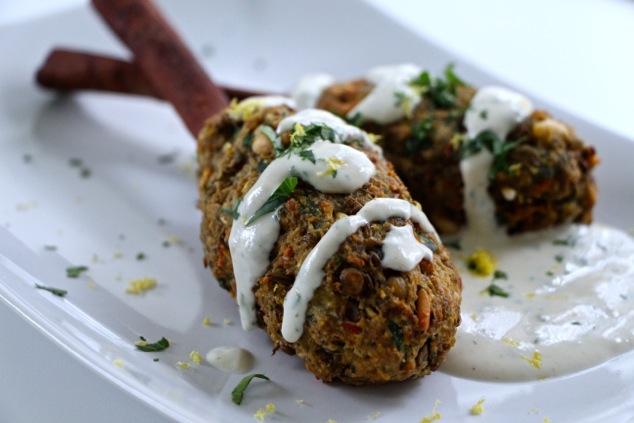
<point x="72" y="70"/>
<point x="164" y="59"/>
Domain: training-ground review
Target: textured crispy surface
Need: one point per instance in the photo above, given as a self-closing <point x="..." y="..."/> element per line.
<point x="366" y="324"/>
<point x="551" y="182"/>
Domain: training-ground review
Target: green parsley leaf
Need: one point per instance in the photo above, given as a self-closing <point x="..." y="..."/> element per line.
<point x="308" y="155"/>
<point x="454" y="245"/>
<point x="54" y="291"/>
<point x="496" y="291"/>
<point x="498" y="274"/>
<point x="356" y="120"/>
<point x="75" y="271"/>
<point x="140" y="256"/>
<point x="496" y="146"/>
<point x="568" y="242"/>
<point x="247" y="142"/>
<point x="421" y="136"/>
<point x="159" y="345"/>
<point x="397" y="334"/>
<point x="238" y="392"/>
<point x="281" y="194"/>
<point x="441" y="92"/>
<point x="233" y="211"/>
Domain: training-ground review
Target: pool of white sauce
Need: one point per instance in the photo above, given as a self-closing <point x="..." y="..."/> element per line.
<point x="569" y="289"/>
<point x="569" y="306"/>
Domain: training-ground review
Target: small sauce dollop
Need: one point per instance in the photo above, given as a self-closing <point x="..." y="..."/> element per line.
<point x="230" y="359"/>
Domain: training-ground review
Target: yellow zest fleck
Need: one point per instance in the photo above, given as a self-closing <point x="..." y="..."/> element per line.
<point x="298" y="131"/>
<point x="139" y="286"/>
<point x="331" y="421"/>
<point x="263" y="413"/>
<point x="511" y="342"/>
<point x="207" y="321"/>
<point x="333" y="164"/>
<point x="173" y="240"/>
<point x="407" y="105"/>
<point x="118" y="363"/>
<point x="474" y="317"/>
<point x="546" y="420"/>
<point x="477" y="408"/>
<point x="140" y="343"/>
<point x="91" y="285"/>
<point x="375" y="416"/>
<point x="434" y="415"/>
<point x="456" y="141"/>
<point x="182" y="365"/>
<point x="300" y="401"/>
<point x="244" y="109"/>
<point x="374" y="138"/>
<point x="195" y="357"/>
<point x="117" y="255"/>
<point x="481" y="263"/>
<point x="227" y="322"/>
<point x="529" y="294"/>
<point x="535" y="361"/>
<point x="515" y="168"/>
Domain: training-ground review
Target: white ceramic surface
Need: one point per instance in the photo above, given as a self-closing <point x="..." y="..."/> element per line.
<point x="135" y="201"/>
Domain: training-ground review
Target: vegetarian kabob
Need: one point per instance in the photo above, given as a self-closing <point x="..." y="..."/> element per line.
<point x="305" y="222"/>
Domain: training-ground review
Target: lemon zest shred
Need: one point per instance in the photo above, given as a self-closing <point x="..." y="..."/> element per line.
<point x="535" y="360"/>
<point x="477" y="408"/>
<point x="139" y="286"/>
<point x="481" y="263"/>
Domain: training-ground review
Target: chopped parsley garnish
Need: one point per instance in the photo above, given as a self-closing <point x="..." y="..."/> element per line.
<point x="167" y="158"/>
<point x="54" y="291"/>
<point x="307" y="155"/>
<point x="303" y="137"/>
<point x="496" y="291"/>
<point x="397" y="334"/>
<point x="441" y="92"/>
<point x="140" y="256"/>
<point x="247" y="142"/>
<point x="233" y="211"/>
<point x="568" y="242"/>
<point x="421" y="136"/>
<point x="238" y="392"/>
<point x="499" y="274"/>
<point x="279" y="196"/>
<point x="454" y="245"/>
<point x="75" y="271"/>
<point x="159" y="345"/>
<point x="497" y="147"/>
<point x="356" y="120"/>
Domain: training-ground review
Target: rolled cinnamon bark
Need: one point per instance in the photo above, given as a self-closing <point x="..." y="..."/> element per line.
<point x="162" y="56"/>
<point x="73" y="70"/>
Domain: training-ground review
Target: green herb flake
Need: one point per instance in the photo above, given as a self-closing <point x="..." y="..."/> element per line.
<point x="233" y="211"/>
<point x="441" y="91"/>
<point x="159" y="345"/>
<point x="54" y="291"/>
<point x="308" y="155"/>
<point x="421" y="136"/>
<point x="281" y="194"/>
<point x="496" y="146"/>
<point x="454" y="245"/>
<point x="568" y="242"/>
<point x="356" y="120"/>
<point x="238" y="392"/>
<point x="496" y="291"/>
<point x="75" y="271"/>
<point x="499" y="274"/>
<point x="397" y="334"/>
<point x="140" y="256"/>
<point x="559" y="258"/>
<point x="247" y="142"/>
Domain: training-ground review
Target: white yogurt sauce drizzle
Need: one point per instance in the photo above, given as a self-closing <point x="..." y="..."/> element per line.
<point x="568" y="307"/>
<point x="311" y="272"/>
<point x="250" y="245"/>
<point x="309" y="88"/>
<point x="381" y="104"/>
